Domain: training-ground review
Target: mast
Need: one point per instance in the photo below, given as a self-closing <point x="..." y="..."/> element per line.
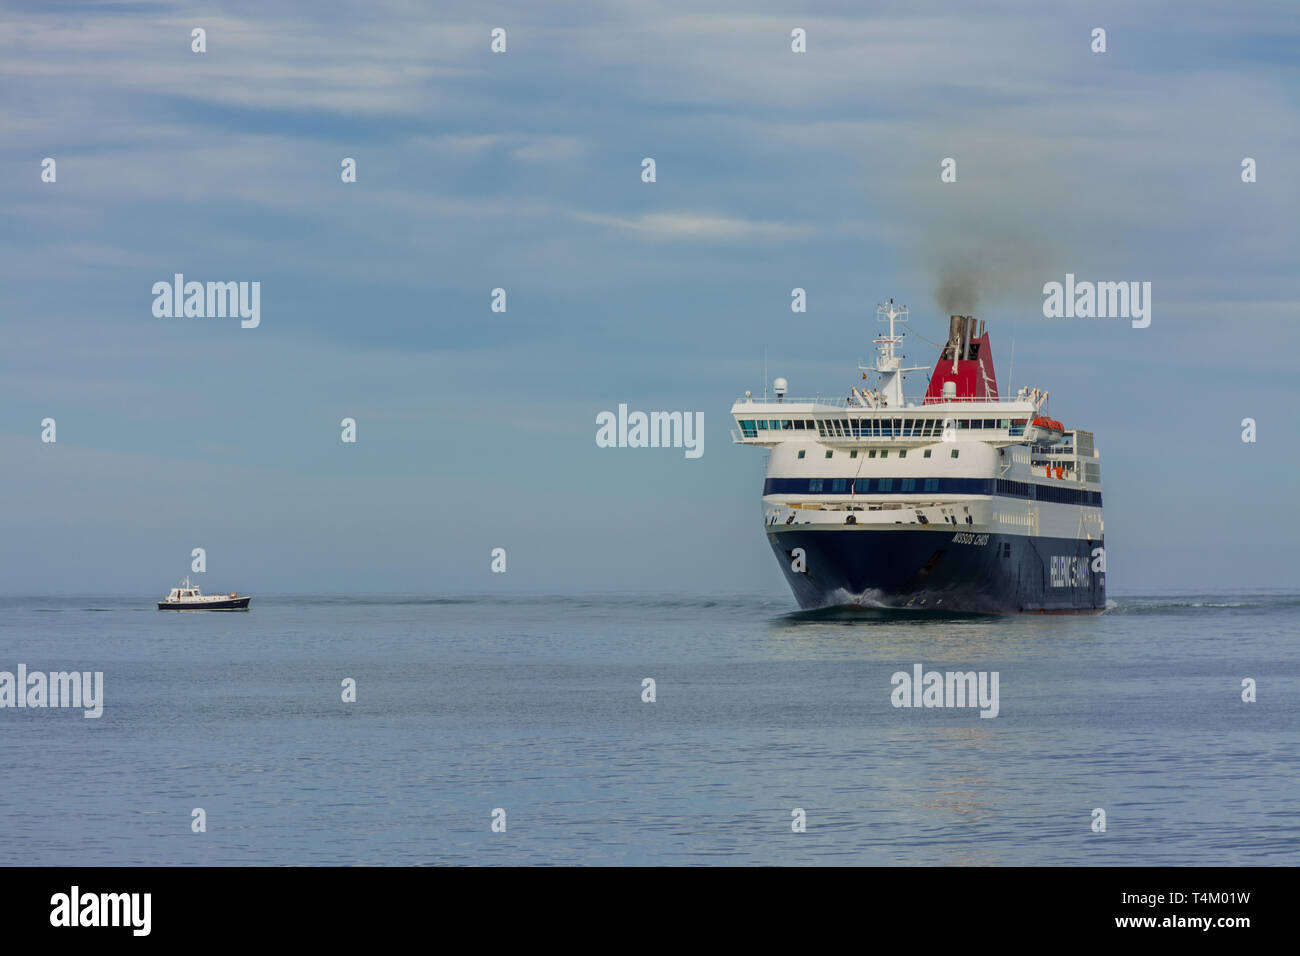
<point x="889" y="364"/>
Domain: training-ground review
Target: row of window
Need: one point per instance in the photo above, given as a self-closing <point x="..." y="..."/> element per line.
<point x="860" y="486"/>
<point x="952" y="486"/>
<point x="1063" y="495"/>
<point x="884" y="453"/>
<point x="881" y="427"/>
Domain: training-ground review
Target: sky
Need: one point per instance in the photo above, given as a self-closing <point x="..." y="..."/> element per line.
<point x="522" y="170"/>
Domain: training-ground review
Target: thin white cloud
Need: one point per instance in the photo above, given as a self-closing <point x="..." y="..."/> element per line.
<point x="358" y="68"/>
<point x="668" y="226"/>
<point x="522" y="147"/>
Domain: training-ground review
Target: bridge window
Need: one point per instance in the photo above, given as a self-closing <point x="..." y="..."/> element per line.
<point x="909" y="484"/>
<point x="886" y="484"/>
<point x="839" y="485"/>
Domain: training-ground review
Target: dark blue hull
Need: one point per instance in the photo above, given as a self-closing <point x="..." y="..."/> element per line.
<point x="230" y="604"/>
<point x="941" y="570"/>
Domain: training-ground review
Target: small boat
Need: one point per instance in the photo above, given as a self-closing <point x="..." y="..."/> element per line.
<point x="187" y="597"/>
<point x="1046" y="430"/>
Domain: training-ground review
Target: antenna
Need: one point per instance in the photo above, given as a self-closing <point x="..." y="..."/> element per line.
<point x="891" y="312"/>
<point x="1011" y="368"/>
<point x="888" y="365"/>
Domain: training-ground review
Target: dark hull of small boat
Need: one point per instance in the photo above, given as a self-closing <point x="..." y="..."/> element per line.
<point x="231" y="604"/>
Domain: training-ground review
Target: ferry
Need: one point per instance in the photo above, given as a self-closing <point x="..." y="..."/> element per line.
<point x="965" y="501"/>
<point x="188" y="597"/>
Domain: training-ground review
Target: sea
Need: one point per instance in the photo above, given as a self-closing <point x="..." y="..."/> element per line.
<point x="652" y="730"/>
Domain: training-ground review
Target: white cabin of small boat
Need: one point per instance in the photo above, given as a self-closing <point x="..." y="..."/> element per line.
<point x="186" y="590"/>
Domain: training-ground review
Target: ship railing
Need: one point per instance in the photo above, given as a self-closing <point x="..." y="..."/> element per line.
<point x="1013" y="434"/>
<point x="822" y="401"/>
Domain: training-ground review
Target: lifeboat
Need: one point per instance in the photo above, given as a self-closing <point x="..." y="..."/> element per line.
<point x="1048" y="429"/>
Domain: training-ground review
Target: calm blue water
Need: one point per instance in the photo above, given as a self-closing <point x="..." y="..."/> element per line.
<point x="533" y="705"/>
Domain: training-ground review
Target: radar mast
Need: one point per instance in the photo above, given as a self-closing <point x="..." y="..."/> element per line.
<point x="888" y="363"/>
